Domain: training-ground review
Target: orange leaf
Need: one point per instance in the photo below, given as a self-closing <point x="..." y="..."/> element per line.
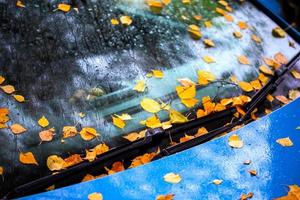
<point x="293" y="194"/>
<point x="19" y="98"/>
<point x="9" y="89"/>
<point x="235" y="142"/>
<point x="17" y="129"/>
<point x="243" y="60"/>
<point x="20" y="4"/>
<point x="266" y="70"/>
<point x="256" y="84"/>
<point x="237" y="34"/>
<point x="69" y="131"/>
<point x="296" y="74"/>
<point x="285" y="142"/>
<point x="47" y="135"/>
<point x="256" y="39"/>
<point x="88" y="133"/>
<point x="186" y="138"/>
<point x="282" y="99"/>
<point x="27" y="158"/>
<point x="64" y="7"/>
<point x="116" y="167"/>
<point x="134" y="136"/>
<point x="165" y="197"/>
<point x="55" y="162"/>
<point x="247" y="87"/>
<point x="90" y="155"/>
<point x="2" y="79"/>
<point x="118" y="122"/>
<point x="252" y="172"/>
<point x="242" y="25"/>
<point x="201" y="131"/>
<point x="280" y="58"/>
<point x="100" y="149"/>
<point x="194" y="31"/>
<point x="72" y="160"/>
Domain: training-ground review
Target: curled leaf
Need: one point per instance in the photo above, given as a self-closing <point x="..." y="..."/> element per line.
<point x="247" y="87"/>
<point x="208" y="59"/>
<point x="176" y="117"/>
<point x="165" y="197"/>
<point x="194" y="31"/>
<point x="140" y="86"/>
<point x="126" y="20"/>
<point x="243" y="60"/>
<point x="217" y="181"/>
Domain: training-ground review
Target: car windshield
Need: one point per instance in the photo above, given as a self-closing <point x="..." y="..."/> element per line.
<point x="81" y="66"/>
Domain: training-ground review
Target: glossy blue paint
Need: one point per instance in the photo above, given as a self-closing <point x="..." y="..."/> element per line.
<point x="277" y="167"/>
<point x="273" y="5"/>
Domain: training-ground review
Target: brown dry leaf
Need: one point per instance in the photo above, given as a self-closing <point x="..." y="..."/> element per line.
<point x="176" y="117"/>
<point x="116" y="167"/>
<point x="201" y="131"/>
<point x="165" y="197"/>
<point x="235" y="142"/>
<point x="8" y="89"/>
<point x="252" y="172"/>
<point x="43" y="122"/>
<point x="140" y="86"/>
<point x="88" y="133"/>
<point x="282" y="99"/>
<point x="285" y="142"/>
<point x="72" y="160"/>
<point x="95" y="196"/>
<point x="172" y="178"/>
<point x="245" y="86"/>
<point x="118" y="122"/>
<point x="51" y="187"/>
<point x="217" y="181"/>
<point x="126" y="20"/>
<point x="150" y="105"/>
<point x="19" y="98"/>
<point x="55" y="163"/>
<point x="194" y="31"/>
<point x="295" y="74"/>
<point x="237" y="34"/>
<point x="90" y="155"/>
<point x="256" y="84"/>
<point x="100" y="149"/>
<point x="27" y="158"/>
<point x="256" y="39"/>
<point x="246" y="196"/>
<point x="17" y="129"/>
<point x="278" y="32"/>
<point x="293" y="194"/>
<point x="114" y="21"/>
<point x="208" y="59"/>
<point x="243" y="60"/>
<point x="20" y="4"/>
<point x="69" y="131"/>
<point x="266" y="70"/>
<point x="242" y="25"/>
<point x="280" y="58"/>
<point x="47" y="135"/>
<point x="64" y="7"/>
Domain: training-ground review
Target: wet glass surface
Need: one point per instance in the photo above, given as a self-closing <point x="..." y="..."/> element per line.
<point x="67" y="63"/>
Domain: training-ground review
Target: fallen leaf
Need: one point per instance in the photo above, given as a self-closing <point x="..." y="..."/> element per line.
<point x="165" y="197"/>
<point x="217" y="181"/>
<point x="2" y="79"/>
<point x="153" y="122"/>
<point x="88" y="133"/>
<point x="189" y="102"/>
<point x="293" y="194"/>
<point x="235" y="142"/>
<point x="81" y="115"/>
<point x="242" y="25"/>
<point x="134" y="136"/>
<point x="172" y="178"/>
<point x="116" y="167"/>
<point x="140" y="86"/>
<point x="220" y="11"/>
<point x="197" y="17"/>
<point x="295" y="74"/>
<point x="200" y="113"/>
<point x="55" y="163"/>
<point x="157" y="73"/>
<point x="208" y="43"/>
<point x="47" y="135"/>
<point x="266" y="70"/>
<point x="226" y="102"/>
<point x="270" y="98"/>
<point x="282" y="99"/>
<point x="294" y="94"/>
<point x="194" y="31"/>
<point x="19" y="98"/>
<point x="143" y="159"/>
<point x="1" y="171"/>
<point x="205" y="77"/>
<point x="176" y="117"/>
<point x="252" y="172"/>
<point x="69" y="131"/>
<point x="255" y="38"/>
<point x="201" y="131"/>
<point x="43" y="122"/>
<point x="186" y="92"/>
<point x="118" y="122"/>
<point x="186" y="138"/>
<point x="88" y="177"/>
<point x="126" y="20"/>
<point x="114" y="22"/>
<point x="256" y="84"/>
<point x="243" y="60"/>
<point x="246" y="196"/>
<point x="247" y="162"/>
<point x="64" y="7"/>
<point x="72" y="160"/>
<point x="228" y="18"/>
<point x="8" y="89"/>
<point x="247" y="87"/>
<point x="285" y="142"/>
<point x="90" y="155"/>
<point x="95" y="196"/>
<point x="208" y="59"/>
<point x="52" y="187"/>
<point x="280" y="58"/>
<point x="208" y="24"/>
<point x="150" y="105"/>
<point x="186" y="82"/>
<point x="17" y="129"/>
<point x="100" y="149"/>
<point x="27" y="158"/>
<point x="20" y="4"/>
<point x="237" y="34"/>
<point x="278" y="32"/>
<point x="155" y="6"/>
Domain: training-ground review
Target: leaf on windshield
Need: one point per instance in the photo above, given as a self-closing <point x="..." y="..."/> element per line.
<point x="172" y="178"/>
<point x="43" y="122"/>
<point x="280" y="58"/>
<point x="294" y="94"/>
<point x="143" y="159"/>
<point x="1" y="171"/>
<point x="126" y="20"/>
<point x="271" y="63"/>
<point x="285" y="142"/>
<point x="47" y="135"/>
<point x="64" y="7"/>
<point x="242" y="25"/>
<point x="165" y="197"/>
<point x="100" y="149"/>
<point x="186" y="92"/>
<point x="88" y="133"/>
<point x="252" y="172"/>
<point x="150" y="105"/>
<point x="282" y="99"/>
<point x="118" y="122"/>
<point x="90" y="155"/>
<point x="153" y="122"/>
<point x="208" y="43"/>
<point x="208" y="59"/>
<point x="27" y="158"/>
<point x="186" y="138"/>
<point x="295" y="74"/>
<point x="194" y="31"/>
<point x="2" y="79"/>
<point x="205" y="77"/>
<point x="278" y="32"/>
<point x="226" y="102"/>
<point x="176" y="117"/>
<point x="256" y="39"/>
<point x="8" y="89"/>
<point x="95" y="196"/>
<point x="245" y="86"/>
<point x="237" y="34"/>
<point x="157" y="73"/>
<point x="208" y="24"/>
<point x="266" y="70"/>
<point x="69" y="131"/>
<point x="156" y="6"/>
<point x="114" y="21"/>
<point x="140" y="86"/>
<point x="19" y="98"/>
<point x="135" y="136"/>
<point x="55" y="163"/>
<point x="293" y="194"/>
<point x="243" y="60"/>
<point x="235" y="142"/>
<point x="217" y="181"/>
<point x="186" y="82"/>
<point x="17" y="129"/>
<point x="20" y="4"/>
<point x="256" y="84"/>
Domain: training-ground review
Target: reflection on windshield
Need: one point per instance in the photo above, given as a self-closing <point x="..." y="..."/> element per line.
<point x="80" y="68"/>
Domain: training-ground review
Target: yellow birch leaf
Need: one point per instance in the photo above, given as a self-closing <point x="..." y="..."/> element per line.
<point x="208" y="43"/>
<point x="176" y="117"/>
<point x="133" y="137"/>
<point x="256" y="84"/>
<point x="263" y="79"/>
<point x="55" y="163"/>
<point x="126" y="20"/>
<point x="64" y="7"/>
<point x="295" y="74"/>
<point x="1" y="171"/>
<point x="217" y="181"/>
<point x="188" y="92"/>
<point x="243" y="60"/>
<point x="165" y="197"/>
<point x="90" y="155"/>
<point x="223" y="3"/>
<point x="294" y="94"/>
<point x="88" y="133"/>
<point x="186" y="82"/>
<point x="95" y="196"/>
<point x="226" y="102"/>
<point x="81" y="115"/>
<point x="285" y="142"/>
<point x="245" y="98"/>
<point x="242" y="25"/>
<point x="204" y="77"/>
<point x="19" y="98"/>
<point x="27" y="158"/>
<point x="20" y="4"/>
<point x="194" y="31"/>
<point x="140" y="86"/>
<point x="280" y="58"/>
<point x="47" y="135"/>
<point x="208" y="59"/>
<point x="69" y="131"/>
<point x="237" y="34"/>
<point x="266" y="70"/>
<point x="100" y="149"/>
<point x="270" y="98"/>
<point x="114" y="21"/>
<point x="256" y="39"/>
<point x="118" y="122"/>
<point x="150" y="105"/>
<point x="237" y="101"/>
<point x="209" y="107"/>
<point x="17" y="129"/>
<point x="235" y="142"/>
<point x="189" y="102"/>
<point x="208" y="24"/>
<point x="124" y="116"/>
<point x="153" y="122"/>
<point x="43" y="122"/>
<point x="221" y="11"/>
<point x="2" y="79"/>
<point x="157" y="73"/>
<point x="8" y="89"/>
<point x="172" y="178"/>
<point x="247" y="87"/>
